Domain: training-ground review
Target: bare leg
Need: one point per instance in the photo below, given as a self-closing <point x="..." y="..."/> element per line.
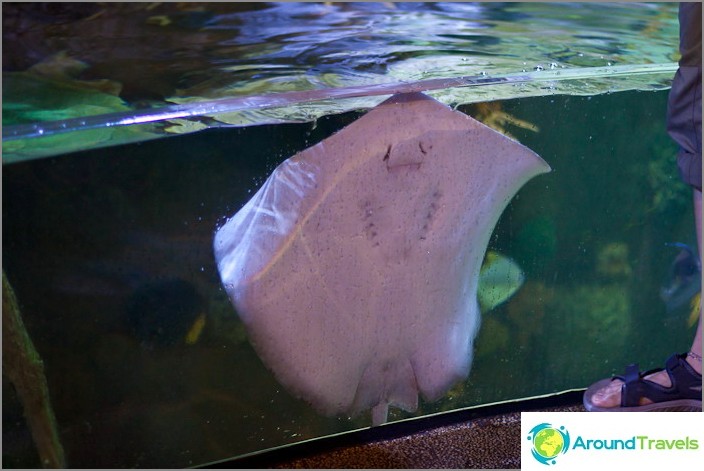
<point x="610" y="396"/>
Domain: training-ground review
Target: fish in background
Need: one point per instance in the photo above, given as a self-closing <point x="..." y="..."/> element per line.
<point x="683" y="284"/>
<point x="499" y="279"/>
<point x="159" y="279"/>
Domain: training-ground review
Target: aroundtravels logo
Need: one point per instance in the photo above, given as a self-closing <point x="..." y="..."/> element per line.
<point x="548" y="442"/>
<point x="573" y="440"/>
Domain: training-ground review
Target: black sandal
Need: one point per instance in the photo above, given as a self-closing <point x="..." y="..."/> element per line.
<point x="685" y="393"/>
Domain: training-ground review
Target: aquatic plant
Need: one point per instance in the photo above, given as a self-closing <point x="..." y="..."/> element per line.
<point x="612" y="261"/>
<point x="25" y="369"/>
<point x="668" y="192"/>
<point x="493" y="115"/>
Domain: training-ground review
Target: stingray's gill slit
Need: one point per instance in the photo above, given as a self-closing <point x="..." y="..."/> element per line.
<point x="387" y="154"/>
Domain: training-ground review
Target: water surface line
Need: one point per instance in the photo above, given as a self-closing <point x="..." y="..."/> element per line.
<point x="283" y="99"/>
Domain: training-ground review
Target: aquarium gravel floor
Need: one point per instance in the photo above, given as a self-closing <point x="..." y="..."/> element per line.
<point x="486" y="438"/>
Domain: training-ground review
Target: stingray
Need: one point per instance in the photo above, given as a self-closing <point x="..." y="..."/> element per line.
<point x="354" y="267"/>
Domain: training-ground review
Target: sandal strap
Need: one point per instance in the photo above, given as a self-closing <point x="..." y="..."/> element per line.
<point x="685" y="383"/>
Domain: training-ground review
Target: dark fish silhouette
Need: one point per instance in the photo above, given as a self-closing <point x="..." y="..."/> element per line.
<point x="684" y="279"/>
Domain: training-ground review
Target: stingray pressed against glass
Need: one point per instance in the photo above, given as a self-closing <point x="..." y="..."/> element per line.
<point x="355" y="266"/>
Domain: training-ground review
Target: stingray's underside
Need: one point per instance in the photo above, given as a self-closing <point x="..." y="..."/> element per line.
<point x="354" y="268"/>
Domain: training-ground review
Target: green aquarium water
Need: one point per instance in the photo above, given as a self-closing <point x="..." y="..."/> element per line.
<point x="109" y="248"/>
<point x="96" y="239"/>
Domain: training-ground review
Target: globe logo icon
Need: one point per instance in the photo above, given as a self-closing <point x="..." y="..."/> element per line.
<point x="548" y="442"/>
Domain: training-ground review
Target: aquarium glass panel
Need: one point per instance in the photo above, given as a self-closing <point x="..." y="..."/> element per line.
<point x="108" y="230"/>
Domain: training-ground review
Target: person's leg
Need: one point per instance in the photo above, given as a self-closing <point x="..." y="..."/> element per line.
<point x="697" y="344"/>
<point x="610" y="396"/>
